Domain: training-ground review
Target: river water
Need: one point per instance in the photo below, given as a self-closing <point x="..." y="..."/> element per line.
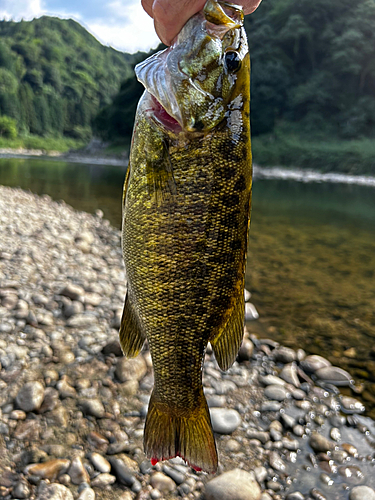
<point x="311" y="261"/>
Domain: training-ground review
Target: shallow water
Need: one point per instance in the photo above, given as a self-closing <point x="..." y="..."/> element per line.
<point x="311" y="257"/>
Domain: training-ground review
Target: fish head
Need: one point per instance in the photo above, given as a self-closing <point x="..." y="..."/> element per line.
<point x="195" y="82"/>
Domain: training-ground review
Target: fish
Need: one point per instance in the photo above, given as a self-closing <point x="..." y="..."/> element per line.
<point x="186" y="217"/>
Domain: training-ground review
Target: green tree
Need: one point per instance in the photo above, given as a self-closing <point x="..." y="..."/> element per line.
<point x="8" y="127"/>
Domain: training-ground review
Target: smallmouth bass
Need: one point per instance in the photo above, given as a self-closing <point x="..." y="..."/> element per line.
<point x="186" y="215"/>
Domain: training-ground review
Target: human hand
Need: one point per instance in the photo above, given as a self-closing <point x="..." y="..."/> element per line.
<point x="171" y="15"/>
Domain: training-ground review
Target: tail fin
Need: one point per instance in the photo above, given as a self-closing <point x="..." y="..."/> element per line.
<point x="186" y="435"/>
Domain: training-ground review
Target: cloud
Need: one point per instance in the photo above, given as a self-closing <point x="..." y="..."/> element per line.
<point x="131" y="30"/>
<point x="20" y="9"/>
<point x="122" y="24"/>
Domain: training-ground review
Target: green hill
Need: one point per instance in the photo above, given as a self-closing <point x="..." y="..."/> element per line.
<point x="55" y="76"/>
<point x="313" y="86"/>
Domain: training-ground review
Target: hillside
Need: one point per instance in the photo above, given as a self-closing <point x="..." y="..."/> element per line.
<point x="55" y="76"/>
<point x="312" y="90"/>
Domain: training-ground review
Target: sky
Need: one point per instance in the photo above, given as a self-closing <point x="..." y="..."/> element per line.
<point x="122" y="24"/>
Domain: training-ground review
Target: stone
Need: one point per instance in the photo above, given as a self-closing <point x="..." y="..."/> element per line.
<point x="113" y="348"/>
<point x="74" y="292"/>
<point x="289" y="374"/>
<point x="48" y="470"/>
<point x="261" y="436"/>
<point x="276" y="392"/>
<point x="131" y="369"/>
<point x="53" y="492"/>
<point x="320" y="444"/>
<point x="232" y="446"/>
<point x="351" y="405"/>
<point x="103" y="480"/>
<point x="30" y="396"/>
<point x="123" y="473"/>
<point x="362" y="493"/>
<point x="271" y="380"/>
<point x="296" y="495"/>
<point x="335" y="434"/>
<point x="236" y="484"/>
<point x="334" y="375"/>
<point x="246" y="350"/>
<point x="251" y="313"/>
<point x="224" y="421"/>
<point x="276" y="462"/>
<point x="284" y="355"/>
<point x="313" y="363"/>
<point x="162" y="482"/>
<point x="100" y="463"/>
<point x="177" y="477"/>
<point x="21" y="490"/>
<point x="77" y="472"/>
<point x="87" y="494"/>
<point x="82" y="321"/>
<point x="93" y="407"/>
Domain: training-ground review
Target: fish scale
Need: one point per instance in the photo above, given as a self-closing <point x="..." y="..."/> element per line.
<point x="185" y="224"/>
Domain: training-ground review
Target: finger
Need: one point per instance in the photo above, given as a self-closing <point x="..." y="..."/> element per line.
<point x="171" y="15"/>
<point x="147" y="6"/>
<point x="250" y="5"/>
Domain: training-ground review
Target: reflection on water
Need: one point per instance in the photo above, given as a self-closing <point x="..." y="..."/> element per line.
<point x="311" y="257"/>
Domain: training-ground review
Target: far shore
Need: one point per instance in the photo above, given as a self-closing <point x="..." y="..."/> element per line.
<point x="285" y="173"/>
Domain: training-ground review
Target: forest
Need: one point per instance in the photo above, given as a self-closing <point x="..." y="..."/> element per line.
<point x="54" y="77"/>
<point x="312" y="85"/>
<point x="312" y="90"/>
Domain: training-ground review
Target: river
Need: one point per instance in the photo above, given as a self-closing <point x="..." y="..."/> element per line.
<point x="311" y="261"/>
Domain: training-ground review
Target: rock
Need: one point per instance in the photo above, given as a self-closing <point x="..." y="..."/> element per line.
<point x="123" y="473"/>
<point x="276" y="462"/>
<point x="77" y="472"/>
<point x="30" y="397"/>
<point x="250" y="312"/>
<point x="313" y="363"/>
<point x="362" y="493"/>
<point x="289" y="374"/>
<point x="113" y="348"/>
<point x="100" y="463"/>
<point x="21" y="490"/>
<point x="92" y="407"/>
<point x="131" y="369"/>
<point x="296" y="495"/>
<point x="162" y="482"/>
<point x="246" y="350"/>
<point x="48" y="470"/>
<point x="351" y="405"/>
<point x="284" y="355"/>
<point x="271" y="380"/>
<point x="261" y="436"/>
<point x="224" y="421"/>
<point x="103" y="480"/>
<point x="276" y="392"/>
<point x="335" y="434"/>
<point x="177" y="477"/>
<point x="82" y="321"/>
<point x="87" y="494"/>
<point x="320" y="444"/>
<point x="65" y="389"/>
<point x="53" y="492"/>
<point x="72" y="291"/>
<point x="236" y="484"/>
<point x="334" y="375"/>
<point x="73" y="308"/>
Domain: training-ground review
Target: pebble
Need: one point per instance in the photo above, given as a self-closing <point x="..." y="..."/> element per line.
<point x="251" y="313"/>
<point x="177" y="477"/>
<point x="92" y="407"/>
<point x="53" y="492"/>
<point x="276" y="392"/>
<point x="87" y="494"/>
<point x="335" y="434"/>
<point x="21" y="490"/>
<point x="236" y="484"/>
<point x="276" y="462"/>
<point x="313" y="363"/>
<point x="224" y="421"/>
<point x="77" y="472"/>
<point x="100" y="463"/>
<point x="289" y="374"/>
<point x="351" y="405"/>
<point x="162" y="482"/>
<point x="320" y="443"/>
<point x="122" y="472"/>
<point x="131" y="369"/>
<point x="48" y="470"/>
<point x="103" y="480"/>
<point x="284" y="355"/>
<point x="334" y="375"/>
<point x="362" y="493"/>
<point x="30" y="397"/>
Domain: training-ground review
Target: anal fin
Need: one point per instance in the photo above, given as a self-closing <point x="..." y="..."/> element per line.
<point x="131" y="336"/>
<point x="228" y="341"/>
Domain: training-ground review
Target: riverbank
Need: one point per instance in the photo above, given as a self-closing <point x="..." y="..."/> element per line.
<point x="73" y="409"/>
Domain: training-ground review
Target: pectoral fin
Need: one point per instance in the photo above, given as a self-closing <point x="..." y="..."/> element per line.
<point x="131" y="336"/>
<point x="227" y="343"/>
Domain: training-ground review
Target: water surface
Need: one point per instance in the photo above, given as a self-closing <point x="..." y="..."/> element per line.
<point x="311" y="262"/>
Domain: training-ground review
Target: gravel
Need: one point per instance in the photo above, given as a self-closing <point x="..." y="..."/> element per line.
<point x="72" y="408"/>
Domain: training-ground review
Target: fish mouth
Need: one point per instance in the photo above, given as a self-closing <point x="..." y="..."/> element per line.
<point x="163" y="117"/>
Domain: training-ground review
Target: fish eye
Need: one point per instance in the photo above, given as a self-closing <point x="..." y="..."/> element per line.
<point x="232" y="61"/>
